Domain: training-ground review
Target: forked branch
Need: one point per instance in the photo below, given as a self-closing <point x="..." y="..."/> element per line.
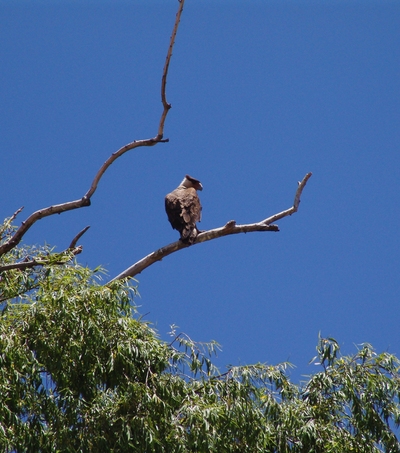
<point x="85" y="200"/>
<point x="64" y="256"/>
<point x="229" y="228"/>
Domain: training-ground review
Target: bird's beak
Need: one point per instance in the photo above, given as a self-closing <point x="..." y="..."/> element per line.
<point x="200" y="186"/>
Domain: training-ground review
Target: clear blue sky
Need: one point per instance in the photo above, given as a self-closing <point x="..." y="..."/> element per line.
<point x="261" y="94"/>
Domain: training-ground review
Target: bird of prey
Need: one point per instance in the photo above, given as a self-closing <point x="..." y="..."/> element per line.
<point x="184" y="209"/>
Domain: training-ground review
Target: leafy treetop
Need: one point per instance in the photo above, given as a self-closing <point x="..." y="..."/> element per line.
<point x="81" y="371"/>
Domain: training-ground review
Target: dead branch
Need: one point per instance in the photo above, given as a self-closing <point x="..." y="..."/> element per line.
<point x="85" y="200"/>
<point x="229" y="228"/>
<point x="165" y="72"/>
<point x="15" y="214"/>
<point x="77" y="237"/>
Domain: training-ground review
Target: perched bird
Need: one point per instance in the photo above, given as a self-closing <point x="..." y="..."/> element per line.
<point x="184" y="209"/>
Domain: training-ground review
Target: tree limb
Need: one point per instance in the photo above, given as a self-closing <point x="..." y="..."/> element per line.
<point x="41" y="262"/>
<point x="229" y="228"/>
<point x="85" y="200"/>
<point x="71" y="251"/>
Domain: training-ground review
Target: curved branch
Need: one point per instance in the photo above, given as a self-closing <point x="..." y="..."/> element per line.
<point x="229" y="228"/>
<point x="77" y="237"/>
<point x="165" y="72"/>
<point x="56" y="209"/>
<point x="85" y="200"/>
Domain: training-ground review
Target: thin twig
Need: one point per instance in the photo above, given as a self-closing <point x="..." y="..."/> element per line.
<point x="77" y="237"/>
<point x="7" y="224"/>
<point x="229" y="228"/>
<point x="16" y="213"/>
<point x="165" y="72"/>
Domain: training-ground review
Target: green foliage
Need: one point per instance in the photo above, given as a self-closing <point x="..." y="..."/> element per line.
<point x="81" y="372"/>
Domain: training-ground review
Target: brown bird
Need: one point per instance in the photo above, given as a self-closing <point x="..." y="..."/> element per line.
<point x="184" y="209"/>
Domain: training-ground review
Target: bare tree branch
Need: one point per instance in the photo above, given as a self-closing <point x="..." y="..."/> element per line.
<point x="15" y="214"/>
<point x="77" y="237"/>
<point x="85" y="200"/>
<point x="229" y="228"/>
<point x="165" y="72"/>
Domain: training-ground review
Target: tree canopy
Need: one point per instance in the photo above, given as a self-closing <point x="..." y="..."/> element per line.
<point x="82" y="371"/>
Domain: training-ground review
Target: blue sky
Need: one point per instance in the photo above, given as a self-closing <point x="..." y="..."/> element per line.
<point x="261" y="94"/>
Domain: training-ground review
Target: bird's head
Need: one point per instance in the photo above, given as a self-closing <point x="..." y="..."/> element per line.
<point x="191" y="182"/>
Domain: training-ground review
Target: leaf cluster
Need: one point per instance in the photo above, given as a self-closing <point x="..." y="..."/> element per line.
<point x="80" y="371"/>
